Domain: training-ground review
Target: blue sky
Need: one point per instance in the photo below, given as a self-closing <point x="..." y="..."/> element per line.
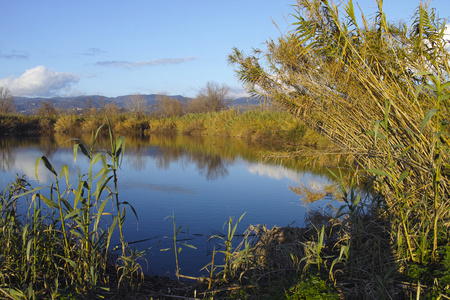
<point x="112" y="48"/>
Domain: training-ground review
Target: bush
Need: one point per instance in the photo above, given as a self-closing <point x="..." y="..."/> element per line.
<point x="67" y="124"/>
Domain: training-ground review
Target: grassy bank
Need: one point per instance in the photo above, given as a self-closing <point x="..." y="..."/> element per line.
<point x="269" y="127"/>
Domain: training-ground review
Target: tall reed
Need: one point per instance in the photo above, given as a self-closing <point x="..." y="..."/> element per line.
<point x="380" y="92"/>
<point x="63" y="240"/>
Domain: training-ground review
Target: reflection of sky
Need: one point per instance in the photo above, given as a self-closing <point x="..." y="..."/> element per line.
<point x="25" y="163"/>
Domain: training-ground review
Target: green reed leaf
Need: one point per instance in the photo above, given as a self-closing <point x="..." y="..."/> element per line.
<point x="132" y="208"/>
<point x="443" y="97"/>
<point x="83" y="149"/>
<point x="422" y="73"/>
<point x="387" y="108"/>
<point x="418" y="90"/>
<point x="25" y="233"/>
<point x="444" y="86"/>
<point x="356" y="200"/>
<point x="66" y="204"/>
<point x="236" y="224"/>
<point x="29" y="244"/>
<point x="71" y="214"/>
<point x="338" y="178"/>
<point x="101" y="186"/>
<point x="47" y="201"/>
<point x="65" y="172"/>
<point x="379" y="172"/>
<point x="47" y="164"/>
<point x="97" y="157"/>
<point x="71" y="262"/>
<point x="427" y="118"/>
<point x="403" y="176"/>
<point x="430" y="87"/>
<point x="190" y="246"/>
<point x="100" y="213"/>
<point x="111" y="231"/>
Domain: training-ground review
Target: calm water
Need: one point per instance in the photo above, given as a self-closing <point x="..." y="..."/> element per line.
<point x="201" y="181"/>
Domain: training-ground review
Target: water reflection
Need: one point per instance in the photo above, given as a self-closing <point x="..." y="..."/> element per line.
<point x="157" y="187"/>
<point x="200" y="180"/>
<point x="211" y="155"/>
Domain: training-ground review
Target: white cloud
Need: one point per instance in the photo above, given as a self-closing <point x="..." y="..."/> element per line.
<point x="136" y="64"/>
<point x="238" y="92"/>
<point x="40" y="81"/>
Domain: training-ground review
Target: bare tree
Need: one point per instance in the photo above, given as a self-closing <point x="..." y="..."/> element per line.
<point x="137" y="105"/>
<point x="168" y="107"/>
<point x="211" y="97"/>
<point x="47" y="109"/>
<point x="110" y="109"/>
<point x="6" y="101"/>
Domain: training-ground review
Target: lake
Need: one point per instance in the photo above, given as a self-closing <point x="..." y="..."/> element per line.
<point x="201" y="181"/>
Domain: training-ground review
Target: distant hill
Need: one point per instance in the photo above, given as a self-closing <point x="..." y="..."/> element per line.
<point x="29" y="105"/>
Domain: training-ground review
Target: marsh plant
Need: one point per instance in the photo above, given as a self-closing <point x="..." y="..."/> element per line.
<point x="177" y="244"/>
<point x="61" y="245"/>
<point x="228" y="250"/>
<point x="379" y="90"/>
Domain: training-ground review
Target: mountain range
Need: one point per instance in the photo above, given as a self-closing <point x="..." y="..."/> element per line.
<point x="30" y="105"/>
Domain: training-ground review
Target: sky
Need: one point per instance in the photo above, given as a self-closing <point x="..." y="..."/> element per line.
<point x="112" y="48"/>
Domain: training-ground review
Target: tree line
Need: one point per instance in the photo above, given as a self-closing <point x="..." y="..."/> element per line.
<point x="212" y="97"/>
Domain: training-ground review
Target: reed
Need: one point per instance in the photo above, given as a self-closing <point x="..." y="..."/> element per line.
<point x="177" y="246"/>
<point x="379" y="91"/>
<point x="63" y="239"/>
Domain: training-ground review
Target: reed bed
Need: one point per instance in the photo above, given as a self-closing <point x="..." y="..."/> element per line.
<point x="268" y="126"/>
<point x="380" y="92"/>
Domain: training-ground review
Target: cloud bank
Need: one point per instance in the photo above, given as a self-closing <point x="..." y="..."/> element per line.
<point x="137" y="64"/>
<point x="40" y="81"/>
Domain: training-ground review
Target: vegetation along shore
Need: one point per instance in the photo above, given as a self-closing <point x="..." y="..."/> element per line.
<point x="339" y="84"/>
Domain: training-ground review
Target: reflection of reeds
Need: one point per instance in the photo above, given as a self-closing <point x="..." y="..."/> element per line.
<point x="312" y="193"/>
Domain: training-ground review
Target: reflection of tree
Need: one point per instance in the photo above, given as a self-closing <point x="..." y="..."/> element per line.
<point x="211" y="155"/>
<point x="213" y="165"/>
<point x="136" y="158"/>
<point x="166" y="155"/>
<point x="7" y="158"/>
